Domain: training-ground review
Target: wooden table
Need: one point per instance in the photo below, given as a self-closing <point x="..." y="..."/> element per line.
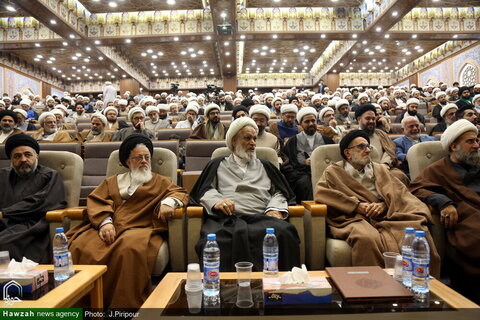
<point x="169" y="286"/>
<point x="87" y="280"/>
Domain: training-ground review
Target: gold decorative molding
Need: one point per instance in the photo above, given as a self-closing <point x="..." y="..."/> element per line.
<point x="365" y="79"/>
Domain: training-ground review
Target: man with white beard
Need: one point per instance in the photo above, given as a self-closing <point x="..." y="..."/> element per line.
<point x="28" y="190"/>
<point x="49" y="131"/>
<point x="127" y="215"/>
<point x="451" y="186"/>
<point x="96" y="133"/>
<point x="243" y="195"/>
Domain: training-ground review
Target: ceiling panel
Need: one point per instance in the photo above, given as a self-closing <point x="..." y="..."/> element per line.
<point x="302" y="3"/>
<point x="98" y="6"/>
<point x="448" y="3"/>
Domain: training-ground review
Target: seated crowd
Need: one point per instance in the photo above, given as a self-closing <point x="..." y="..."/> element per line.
<point x="369" y="195"/>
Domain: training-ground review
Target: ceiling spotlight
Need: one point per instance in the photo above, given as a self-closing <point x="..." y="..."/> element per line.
<point x="322" y="36"/>
<point x="378" y="29"/>
<point x="88" y="48"/>
<point x="39" y="56"/>
<point x="228" y="65"/>
<point x="97" y="41"/>
<point x="37" y="44"/>
<point x="116" y="69"/>
<point x="414" y="36"/>
<point x="354" y="51"/>
<point x="154" y="56"/>
<point x="149" y="50"/>
<point x="10" y="8"/>
<point x="175" y="39"/>
<point x="226" y="43"/>
<point x="242" y="36"/>
<point x="193" y="55"/>
<point x="228" y="53"/>
<point x="53" y="22"/>
<point x="72" y="36"/>
<point x="100" y="58"/>
<point x="74" y="58"/>
<point x="354" y="36"/>
<point x="223" y="15"/>
<point x="200" y="52"/>
<point x="274" y="36"/>
<point x="387" y="36"/>
<point x="394" y="13"/>
<point x="143" y="54"/>
<point x="171" y="2"/>
<point x="208" y="38"/>
<point x="455" y="36"/>
<point x="86" y="60"/>
<point x="65" y="43"/>
<point x="112" y="4"/>
<point x="128" y="41"/>
<point x="183" y="53"/>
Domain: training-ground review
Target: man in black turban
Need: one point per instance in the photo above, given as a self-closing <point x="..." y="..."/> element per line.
<point x="368" y="207"/>
<point x="464" y="94"/>
<point x="28" y="190"/>
<point x="127" y="224"/>
<point x="8" y="120"/>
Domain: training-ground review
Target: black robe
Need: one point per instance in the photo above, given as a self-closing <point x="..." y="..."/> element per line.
<point x="299" y="176"/>
<point x="240" y="237"/>
<point x="24" y="203"/>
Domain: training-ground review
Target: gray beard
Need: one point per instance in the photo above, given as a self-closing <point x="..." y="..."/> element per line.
<point x="358" y="161"/>
<point x="472" y="159"/>
<point x="6" y="129"/>
<point x="141" y="175"/>
<point x="23" y="172"/>
<point x="245" y="155"/>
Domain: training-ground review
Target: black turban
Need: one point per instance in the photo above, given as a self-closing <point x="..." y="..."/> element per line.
<point x="20" y="140"/>
<point x="10" y="113"/>
<point x="237" y="109"/>
<point x="130" y="143"/>
<point x="291" y="98"/>
<point x="349" y="137"/>
<point x="364" y="108"/>
<point x="247" y="102"/>
<point x="460" y="91"/>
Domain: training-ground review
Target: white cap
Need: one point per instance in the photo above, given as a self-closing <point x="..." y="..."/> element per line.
<point x="21" y="111"/>
<point x="133" y="111"/>
<point x="123" y="102"/>
<point x="151" y="108"/>
<point x="412" y="101"/>
<point x="101" y="117"/>
<point x="192" y="106"/>
<point x="447" y="107"/>
<point x="236" y="126"/>
<point x="25" y="101"/>
<point x="261" y="109"/>
<point x="439" y="94"/>
<point x="306" y="111"/>
<point x="455" y="130"/>
<point x="211" y="107"/>
<point x="288" y="108"/>
<point x="164" y="107"/>
<point x="340" y="103"/>
<point x="43" y="116"/>
<point x="323" y="111"/>
<point x="110" y="108"/>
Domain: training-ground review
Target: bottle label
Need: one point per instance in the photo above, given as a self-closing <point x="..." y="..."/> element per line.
<point x="211" y="274"/>
<point x="420" y="270"/>
<point x="270" y="264"/>
<point x="407" y="264"/>
<point x="61" y="260"/>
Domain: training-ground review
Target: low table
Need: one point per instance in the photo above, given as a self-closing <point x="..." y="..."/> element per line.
<point x="87" y="280"/>
<point x="168" y="299"/>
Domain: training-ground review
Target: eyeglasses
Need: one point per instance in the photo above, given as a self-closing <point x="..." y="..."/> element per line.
<point x="138" y="118"/>
<point x="141" y="157"/>
<point x="362" y="146"/>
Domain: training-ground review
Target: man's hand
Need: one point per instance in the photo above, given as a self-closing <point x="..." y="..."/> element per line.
<point x="107" y="233"/>
<point x="166" y="213"/>
<point x="227" y="206"/>
<point x="1" y="215"/>
<point x="274" y="213"/>
<point x="308" y="162"/>
<point x="333" y="123"/>
<point x="375" y="209"/>
<point x="140" y="125"/>
<point x="362" y="208"/>
<point x="449" y="216"/>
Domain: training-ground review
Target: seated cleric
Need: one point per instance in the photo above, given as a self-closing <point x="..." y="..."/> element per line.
<point x="368" y="206"/>
<point x="242" y="196"/>
<point x="28" y="190"/>
<point x="127" y="214"/>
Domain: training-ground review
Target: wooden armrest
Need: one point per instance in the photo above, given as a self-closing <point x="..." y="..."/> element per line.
<point x="316" y="209"/>
<point x="296" y="211"/>
<point x="180" y="171"/>
<point x="195" y="212"/>
<point x="55" y="215"/>
<point x="76" y="213"/>
<point x="178" y="214"/>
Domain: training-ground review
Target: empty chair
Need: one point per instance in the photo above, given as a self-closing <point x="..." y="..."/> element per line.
<point x="166" y="134"/>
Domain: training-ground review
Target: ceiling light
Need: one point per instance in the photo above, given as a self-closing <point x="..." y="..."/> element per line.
<point x="10" y="8"/>
<point x="382" y="50"/>
<point x="387" y="36"/>
<point x="100" y="58"/>
<point x="295" y="50"/>
<point x="394" y="13"/>
<point x="143" y="54"/>
<point x="88" y="48"/>
<point x="229" y="65"/>
<point x="52" y="58"/>
<point x="53" y="22"/>
<point x="378" y="29"/>
<point x="274" y="36"/>
<point x="36" y="59"/>
<point x="97" y="41"/>
<point x="354" y="36"/>
<point x="194" y="55"/>
<point x="37" y="44"/>
<point x="322" y="36"/>
<point x="112" y="4"/>
<point x="49" y="61"/>
<point x="171" y="2"/>
<point x="414" y="36"/>
<point x="65" y="43"/>
<point x="226" y="43"/>
<point x="306" y="47"/>
<point x="74" y="58"/>
<point x="154" y="56"/>
<point x="86" y="60"/>
<point x="455" y="36"/>
<point x="116" y="69"/>
<point x="208" y="38"/>
<point x="72" y="36"/>
<point x="39" y="56"/>
<point x="364" y="41"/>
<point x="242" y="36"/>
<point x="175" y="39"/>
<point x="160" y="53"/>
<point x="200" y="52"/>
<point x="354" y="51"/>
<point x="128" y="41"/>
<point x="149" y="50"/>
<point x="228" y="53"/>
<point x="223" y="15"/>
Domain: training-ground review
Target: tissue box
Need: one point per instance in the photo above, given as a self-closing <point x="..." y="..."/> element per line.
<point x="30" y="281"/>
<point x="318" y="290"/>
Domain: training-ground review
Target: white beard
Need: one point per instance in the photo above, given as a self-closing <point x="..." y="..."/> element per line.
<point x="245" y="155"/>
<point x="141" y="175"/>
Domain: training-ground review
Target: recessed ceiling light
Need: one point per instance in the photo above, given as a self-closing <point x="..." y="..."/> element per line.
<point x="86" y="60"/>
<point x="228" y="53"/>
<point x="242" y="36"/>
<point x="74" y="58"/>
<point x="154" y="56"/>
<point x="39" y="56"/>
<point x="229" y="65"/>
<point x="100" y="58"/>
<point x="208" y="38"/>
<point x="274" y="36"/>
<point x="455" y="36"/>
<point x="143" y="54"/>
<point x="53" y="22"/>
<point x="72" y="36"/>
<point x="394" y="13"/>
<point x="322" y="36"/>
<point x="97" y="41"/>
<point x="36" y="59"/>
<point x="387" y="36"/>
<point x="128" y="41"/>
<point x="378" y="29"/>
<point x="112" y="4"/>
<point x="200" y="52"/>
<point x="160" y="53"/>
<point x="354" y="36"/>
<point x="193" y="55"/>
<point x="171" y="2"/>
<point x="52" y="58"/>
<point x="354" y="52"/>
<point x="414" y="36"/>
<point x="88" y="48"/>
<point x="175" y="39"/>
<point x="65" y="43"/>
<point x="37" y="44"/>
<point x="226" y="43"/>
<point x="364" y="41"/>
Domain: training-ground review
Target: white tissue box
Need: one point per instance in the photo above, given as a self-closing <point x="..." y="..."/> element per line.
<point x="318" y="290"/>
<point x="30" y="281"/>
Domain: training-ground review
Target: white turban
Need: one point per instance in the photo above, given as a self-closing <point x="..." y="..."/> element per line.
<point x="149" y="99"/>
<point x="383" y="99"/>
<point x="331" y="103"/>
<point x="477" y="86"/>
<point x="323" y="111"/>
<point x="258" y="108"/>
<point x="236" y="126"/>
<point x="346" y="94"/>
<point x="439" y="94"/>
<point x="152" y="108"/>
<point x="22" y="112"/>
<point x="412" y="101"/>
<point x="455" y="130"/>
<point x="6" y="98"/>
<point x="316" y="97"/>
<point x="26" y="101"/>
<point x="49" y="99"/>
<point x="122" y="102"/>
<point x="277" y="99"/>
<point x="475" y="98"/>
<point x="58" y="111"/>
<point x="164" y="107"/>
<point x="101" y="117"/>
<point x="110" y="108"/>
<point x="268" y="95"/>
<point x="192" y="106"/>
<point x="43" y="116"/>
<point x="447" y="107"/>
<point x="288" y="108"/>
<point x="340" y="103"/>
<point x="133" y="111"/>
<point x="362" y="95"/>
<point x="2" y="103"/>
<point x="210" y="107"/>
<point x="306" y="111"/>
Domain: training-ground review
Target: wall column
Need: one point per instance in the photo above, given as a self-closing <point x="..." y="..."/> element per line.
<point x="131" y="85"/>
<point x="230" y="83"/>
<point x="333" y="81"/>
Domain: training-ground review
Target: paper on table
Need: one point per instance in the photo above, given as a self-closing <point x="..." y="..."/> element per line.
<point x="19" y="268"/>
<point x="296" y="276"/>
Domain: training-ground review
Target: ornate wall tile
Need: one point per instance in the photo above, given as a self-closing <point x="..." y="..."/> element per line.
<point x="207" y="26"/>
<point x="53" y="4"/>
<point x="469" y="24"/>
<point x="13" y="34"/>
<point x="341" y="24"/>
<point x="357" y="24"/>
<point x="191" y="27"/>
<point x="94" y="31"/>
<point x="110" y="30"/>
<point x="293" y="25"/>
<point x="63" y="11"/>
<point x="276" y="25"/>
<point x="243" y="25"/>
<point x="158" y="28"/>
<point x="453" y="25"/>
<point x="28" y="33"/>
<point x="142" y="28"/>
<point x="174" y="27"/>
<point x="73" y="19"/>
<point x="423" y="24"/>
<point x="308" y="25"/>
<point x="325" y="24"/>
<point x="125" y="29"/>
<point x="44" y="33"/>
<point x="81" y="27"/>
<point x="438" y="25"/>
<point x="260" y="25"/>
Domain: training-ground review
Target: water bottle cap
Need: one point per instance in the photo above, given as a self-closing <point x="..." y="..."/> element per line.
<point x="211" y="237"/>
<point x="59" y="230"/>
<point x="270" y="230"/>
<point x="420" y="233"/>
<point x="409" y="230"/>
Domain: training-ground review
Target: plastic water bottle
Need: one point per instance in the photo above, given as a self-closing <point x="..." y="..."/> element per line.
<point x="407" y="257"/>
<point x="421" y="260"/>
<point x="211" y="272"/>
<point x="61" y="270"/>
<point x="270" y="254"/>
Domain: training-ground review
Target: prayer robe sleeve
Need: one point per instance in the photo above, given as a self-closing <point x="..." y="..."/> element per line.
<point x="100" y="204"/>
<point x="211" y="197"/>
<point x="49" y="197"/>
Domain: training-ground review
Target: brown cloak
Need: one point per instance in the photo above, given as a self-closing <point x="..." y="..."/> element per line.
<point x="200" y="131"/>
<point x="441" y="177"/>
<point x="61" y="136"/>
<point x="369" y="238"/>
<point x="131" y="257"/>
<point x="84" y="136"/>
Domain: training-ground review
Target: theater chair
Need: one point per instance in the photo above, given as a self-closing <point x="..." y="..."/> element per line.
<point x="338" y="252"/>
<point x="164" y="162"/>
<point x="296" y="213"/>
<point x="420" y="156"/>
